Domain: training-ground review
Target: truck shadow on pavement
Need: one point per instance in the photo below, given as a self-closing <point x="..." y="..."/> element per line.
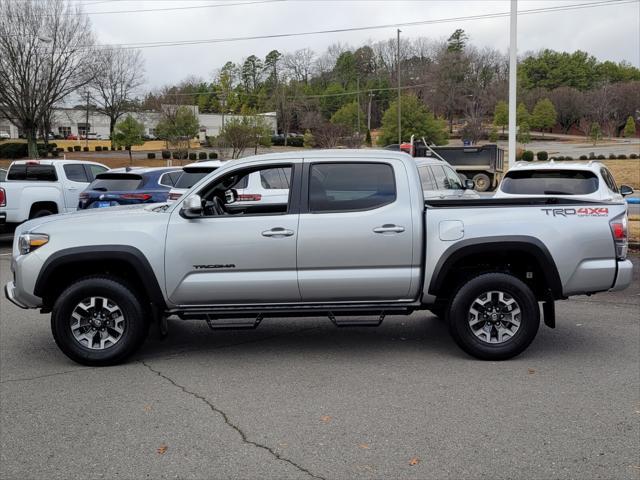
<point x="421" y="333"/>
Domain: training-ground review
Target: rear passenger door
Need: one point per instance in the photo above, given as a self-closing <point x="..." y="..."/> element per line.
<point x="75" y="181"/>
<point x="355" y="232"/>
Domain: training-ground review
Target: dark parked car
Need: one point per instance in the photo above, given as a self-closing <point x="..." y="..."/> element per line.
<point x="128" y="186"/>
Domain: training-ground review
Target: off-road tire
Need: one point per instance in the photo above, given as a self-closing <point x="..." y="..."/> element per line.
<point x="460" y="315"/>
<point x="135" y="315"/>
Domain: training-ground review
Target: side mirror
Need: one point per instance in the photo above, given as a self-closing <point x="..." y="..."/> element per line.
<point x="192" y="207"/>
<point x="469" y="184"/>
<point x="231" y="196"/>
<point x="626" y="190"/>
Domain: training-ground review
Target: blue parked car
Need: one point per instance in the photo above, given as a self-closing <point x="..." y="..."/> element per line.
<point x="128" y="186"/>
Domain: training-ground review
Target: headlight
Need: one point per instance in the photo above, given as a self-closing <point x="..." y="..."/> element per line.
<point x="28" y="242"/>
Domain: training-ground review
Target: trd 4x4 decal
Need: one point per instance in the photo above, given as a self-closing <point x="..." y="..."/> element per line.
<point x="579" y="212"/>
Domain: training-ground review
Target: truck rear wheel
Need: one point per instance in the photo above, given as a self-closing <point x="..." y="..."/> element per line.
<point x="98" y="321"/>
<point x="483" y="182"/>
<point x="494" y="316"/>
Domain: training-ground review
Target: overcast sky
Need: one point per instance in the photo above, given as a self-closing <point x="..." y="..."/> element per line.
<point x="609" y="32"/>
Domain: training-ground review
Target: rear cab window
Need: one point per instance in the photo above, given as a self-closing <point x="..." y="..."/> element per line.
<point x="116" y="182"/>
<point x="550" y="182"/>
<point x="336" y="187"/>
<point x="36" y="172"/>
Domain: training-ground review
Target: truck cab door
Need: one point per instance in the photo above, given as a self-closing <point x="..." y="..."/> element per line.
<point x="356" y="232"/>
<point x="73" y="181"/>
<point x="236" y="253"/>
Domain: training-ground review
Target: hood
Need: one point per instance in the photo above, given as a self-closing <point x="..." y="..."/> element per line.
<point x="105" y="214"/>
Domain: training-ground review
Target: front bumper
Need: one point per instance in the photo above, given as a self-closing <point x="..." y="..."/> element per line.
<point x="624" y="276"/>
<point x="10" y="293"/>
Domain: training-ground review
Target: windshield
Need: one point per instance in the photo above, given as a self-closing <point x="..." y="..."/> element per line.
<point x="550" y="182"/>
<point x="115" y="182"/>
<point x="192" y="176"/>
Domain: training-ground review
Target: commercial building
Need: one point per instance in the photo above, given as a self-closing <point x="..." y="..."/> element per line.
<point x="73" y="121"/>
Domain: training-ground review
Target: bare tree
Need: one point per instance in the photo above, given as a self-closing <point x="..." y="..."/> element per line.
<point x="46" y="53"/>
<point x="121" y="73"/>
<point x="299" y="64"/>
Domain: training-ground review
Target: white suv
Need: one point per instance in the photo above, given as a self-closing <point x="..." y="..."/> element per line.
<point x="576" y="180"/>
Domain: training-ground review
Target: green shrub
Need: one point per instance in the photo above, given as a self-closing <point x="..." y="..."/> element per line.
<point x="202" y="155"/>
<point x="69" y="149"/>
<point x="13" y="150"/>
<point x="527" y="156"/>
<point x="77" y="148"/>
<point x="612" y="156"/>
<point x="568" y="157"/>
<point x="633" y="155"/>
<point x="113" y="148"/>
<point x="592" y="156"/>
<point x="59" y="149"/>
<point x="166" y="154"/>
<point x="278" y="141"/>
<point x="52" y="146"/>
<point x="85" y="149"/>
<point x="601" y="157"/>
<point x="54" y="153"/>
<point x="622" y="156"/>
<point x="179" y="155"/>
<point x="192" y="156"/>
<point x="213" y="155"/>
<point x="151" y="155"/>
<point x="583" y="157"/>
<point x="98" y="148"/>
<point x="542" y="155"/>
<point x="119" y="147"/>
<point x="559" y="158"/>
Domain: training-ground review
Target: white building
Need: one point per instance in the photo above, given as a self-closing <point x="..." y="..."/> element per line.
<point x="70" y="121"/>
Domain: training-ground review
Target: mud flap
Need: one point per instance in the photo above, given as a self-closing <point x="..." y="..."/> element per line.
<point x="549" y="312"/>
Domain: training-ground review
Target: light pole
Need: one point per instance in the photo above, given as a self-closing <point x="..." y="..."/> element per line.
<point x="399" y="107"/>
<point x="513" y="79"/>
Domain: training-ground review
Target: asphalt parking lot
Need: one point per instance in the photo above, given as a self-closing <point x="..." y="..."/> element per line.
<point x="299" y="398"/>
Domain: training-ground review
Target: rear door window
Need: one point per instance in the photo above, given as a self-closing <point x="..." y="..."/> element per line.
<point x="76" y="172"/>
<point x="335" y="187"/>
<point x="32" y="172"/>
<point x="93" y="170"/>
<point x="550" y="182"/>
<point x="116" y="182"/>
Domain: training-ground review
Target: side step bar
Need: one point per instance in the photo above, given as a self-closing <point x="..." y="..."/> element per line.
<point x="220" y="318"/>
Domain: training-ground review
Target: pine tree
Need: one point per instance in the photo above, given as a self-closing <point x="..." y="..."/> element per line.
<point x="501" y="115"/>
<point x="544" y="115"/>
<point x="630" y="127"/>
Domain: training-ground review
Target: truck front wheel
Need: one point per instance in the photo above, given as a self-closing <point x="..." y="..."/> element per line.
<point x="98" y="321"/>
<point x="494" y="316"/>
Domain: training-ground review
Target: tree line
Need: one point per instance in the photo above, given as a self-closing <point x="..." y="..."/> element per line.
<point x="48" y="53"/>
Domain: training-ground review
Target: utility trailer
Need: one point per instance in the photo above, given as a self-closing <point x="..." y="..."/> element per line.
<point x="484" y="164"/>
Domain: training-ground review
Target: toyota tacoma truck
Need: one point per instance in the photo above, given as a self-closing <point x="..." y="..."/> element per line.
<point x="355" y="240"/>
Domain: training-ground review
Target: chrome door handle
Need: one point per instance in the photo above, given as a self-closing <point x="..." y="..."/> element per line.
<point x="277" y="232"/>
<point x="389" y="228"/>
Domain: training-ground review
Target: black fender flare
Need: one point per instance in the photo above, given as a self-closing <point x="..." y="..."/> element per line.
<point x="523" y="243"/>
<point x="88" y="254"/>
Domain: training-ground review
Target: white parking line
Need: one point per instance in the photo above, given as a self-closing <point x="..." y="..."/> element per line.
<point x="4" y="254"/>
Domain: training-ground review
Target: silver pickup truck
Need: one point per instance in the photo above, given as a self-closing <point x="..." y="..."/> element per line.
<point x="355" y="241"/>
